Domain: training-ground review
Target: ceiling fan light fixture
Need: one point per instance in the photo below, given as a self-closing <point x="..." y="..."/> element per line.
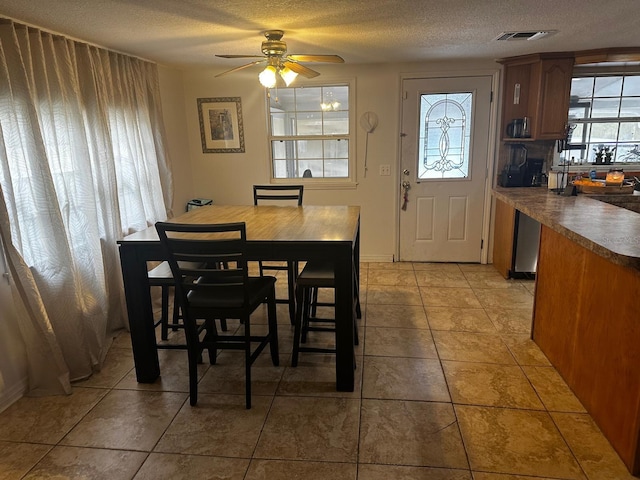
<point x="268" y="77"/>
<point x="279" y="63"/>
<point x="288" y="75"/>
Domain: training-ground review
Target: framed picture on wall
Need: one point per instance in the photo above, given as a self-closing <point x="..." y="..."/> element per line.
<point x="221" y="127"/>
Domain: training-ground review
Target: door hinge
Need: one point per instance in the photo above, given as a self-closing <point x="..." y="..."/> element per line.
<point x="491" y="97"/>
<point x="481" y="243"/>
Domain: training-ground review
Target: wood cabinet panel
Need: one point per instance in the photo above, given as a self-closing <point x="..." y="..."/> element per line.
<point x="586" y="322"/>
<point x="544" y="85"/>
<point x="503" y="234"/>
<point x="552" y="107"/>
<point x="515" y="102"/>
<point x="557" y="294"/>
<point x="607" y="354"/>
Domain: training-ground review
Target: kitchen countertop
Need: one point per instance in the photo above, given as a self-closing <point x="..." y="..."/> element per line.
<point x="607" y="230"/>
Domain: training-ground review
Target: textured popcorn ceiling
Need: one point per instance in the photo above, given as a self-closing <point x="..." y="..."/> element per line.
<point x="190" y="32"/>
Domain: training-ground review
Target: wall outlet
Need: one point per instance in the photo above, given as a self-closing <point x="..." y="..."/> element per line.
<point x="385" y="170"/>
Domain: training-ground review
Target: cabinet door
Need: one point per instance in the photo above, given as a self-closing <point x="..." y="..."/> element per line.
<point x="544" y="86"/>
<point x="503" y="229"/>
<point x="553" y="100"/>
<point x="516" y="94"/>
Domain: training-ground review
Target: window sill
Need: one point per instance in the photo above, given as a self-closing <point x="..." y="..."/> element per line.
<point x="587" y="167"/>
<point x="317" y="184"/>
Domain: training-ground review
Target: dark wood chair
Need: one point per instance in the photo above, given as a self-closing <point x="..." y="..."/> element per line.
<point x="279" y="195"/>
<point x="161" y="276"/>
<point x="314" y="276"/>
<point x="207" y="292"/>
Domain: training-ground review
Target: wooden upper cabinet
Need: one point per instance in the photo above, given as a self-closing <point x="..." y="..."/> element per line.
<point x="538" y="86"/>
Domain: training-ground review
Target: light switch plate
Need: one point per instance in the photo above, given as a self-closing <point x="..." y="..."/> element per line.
<point x="385" y="170"/>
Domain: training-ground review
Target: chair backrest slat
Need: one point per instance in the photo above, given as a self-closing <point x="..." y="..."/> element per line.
<point x="205" y="257"/>
<point x="269" y="194"/>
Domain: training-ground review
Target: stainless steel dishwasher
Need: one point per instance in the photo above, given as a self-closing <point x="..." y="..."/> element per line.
<point x="527" y="241"/>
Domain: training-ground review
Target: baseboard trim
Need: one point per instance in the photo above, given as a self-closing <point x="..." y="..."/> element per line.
<point x="13" y="394"/>
<point x="376" y="258"/>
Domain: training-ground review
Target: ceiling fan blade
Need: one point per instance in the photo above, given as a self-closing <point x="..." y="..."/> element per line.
<point x="240" y="56"/>
<point x="317" y="58"/>
<point x="241" y="67"/>
<point x="301" y="69"/>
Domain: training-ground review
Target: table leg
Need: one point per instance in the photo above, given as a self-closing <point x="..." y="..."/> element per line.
<point x="292" y="275"/>
<point x="140" y="312"/>
<point x="345" y="356"/>
<point x="356" y="266"/>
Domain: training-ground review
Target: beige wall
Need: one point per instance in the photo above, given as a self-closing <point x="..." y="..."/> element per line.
<point x="227" y="178"/>
<point x="172" y="92"/>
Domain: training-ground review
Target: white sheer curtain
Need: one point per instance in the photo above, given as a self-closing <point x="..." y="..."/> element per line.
<point x="82" y="163"/>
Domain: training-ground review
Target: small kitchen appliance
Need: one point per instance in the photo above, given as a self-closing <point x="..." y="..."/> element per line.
<point x="518" y="128"/>
<point x="521" y="171"/>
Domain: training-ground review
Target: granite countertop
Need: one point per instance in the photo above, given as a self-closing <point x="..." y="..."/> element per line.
<point x="607" y="230"/>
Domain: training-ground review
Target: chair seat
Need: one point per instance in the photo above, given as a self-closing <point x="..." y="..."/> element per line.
<point x="161" y="275"/>
<point x="232" y="297"/>
<point x="317" y="274"/>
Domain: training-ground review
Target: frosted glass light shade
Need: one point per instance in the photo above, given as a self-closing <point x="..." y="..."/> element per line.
<point x="268" y="77"/>
<point x="288" y="75"/>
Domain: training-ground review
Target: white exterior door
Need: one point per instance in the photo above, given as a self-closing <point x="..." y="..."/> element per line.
<point x="445" y="149"/>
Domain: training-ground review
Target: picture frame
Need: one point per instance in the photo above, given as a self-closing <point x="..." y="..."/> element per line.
<point x="221" y="129"/>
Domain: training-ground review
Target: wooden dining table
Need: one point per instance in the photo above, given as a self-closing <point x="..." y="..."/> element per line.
<point x="274" y="233"/>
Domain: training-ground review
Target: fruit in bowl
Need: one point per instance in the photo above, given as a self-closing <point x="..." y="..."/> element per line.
<point x="598" y="186"/>
<point x="586" y="182"/>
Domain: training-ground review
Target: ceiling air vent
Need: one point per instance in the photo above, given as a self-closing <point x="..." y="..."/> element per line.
<point x="523" y="35"/>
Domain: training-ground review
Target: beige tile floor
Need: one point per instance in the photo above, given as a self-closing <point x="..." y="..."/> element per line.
<point x="448" y="387"/>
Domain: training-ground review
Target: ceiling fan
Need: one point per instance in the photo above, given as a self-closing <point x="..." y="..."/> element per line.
<point x="274" y="54"/>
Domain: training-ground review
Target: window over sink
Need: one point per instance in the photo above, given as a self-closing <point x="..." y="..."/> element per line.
<point x="604" y="116"/>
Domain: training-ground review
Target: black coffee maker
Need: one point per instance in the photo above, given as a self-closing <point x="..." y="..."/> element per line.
<point x="533" y="176"/>
<point x="521" y="171"/>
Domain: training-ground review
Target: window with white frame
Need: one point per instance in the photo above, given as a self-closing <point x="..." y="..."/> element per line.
<point x="604" y="117"/>
<point x="310" y="132"/>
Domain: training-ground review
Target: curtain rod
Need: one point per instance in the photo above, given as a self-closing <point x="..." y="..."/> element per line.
<point x="20" y="23"/>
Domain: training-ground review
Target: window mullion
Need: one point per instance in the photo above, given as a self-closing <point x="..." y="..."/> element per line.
<point x="619" y="132"/>
<point x="310" y="129"/>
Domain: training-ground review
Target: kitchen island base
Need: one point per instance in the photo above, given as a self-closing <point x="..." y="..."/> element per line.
<point x="586" y="321"/>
